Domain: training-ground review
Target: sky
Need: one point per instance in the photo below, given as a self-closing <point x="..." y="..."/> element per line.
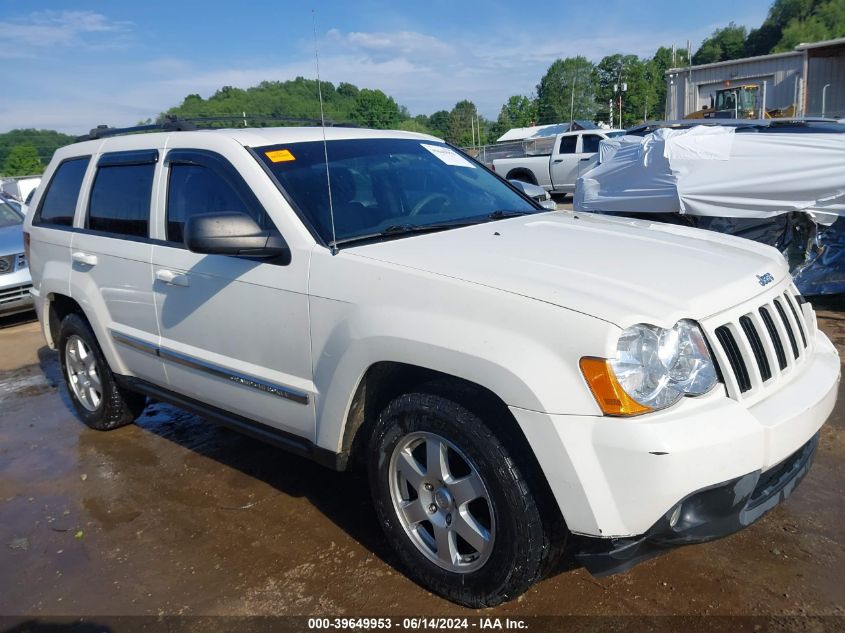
<point x="72" y="65"/>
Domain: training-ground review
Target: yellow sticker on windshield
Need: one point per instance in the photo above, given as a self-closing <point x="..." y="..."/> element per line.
<point x="280" y="156"/>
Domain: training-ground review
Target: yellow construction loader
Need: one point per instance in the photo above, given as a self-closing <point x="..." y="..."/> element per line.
<point x="739" y="102"/>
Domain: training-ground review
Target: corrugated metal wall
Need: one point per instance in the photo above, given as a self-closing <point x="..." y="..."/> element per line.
<point x="688" y="92"/>
<point x="827" y="67"/>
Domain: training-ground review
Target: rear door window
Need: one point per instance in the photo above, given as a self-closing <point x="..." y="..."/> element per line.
<point x="567" y="145"/>
<point x="58" y="204"/>
<point x="590" y="143"/>
<point x="121" y="193"/>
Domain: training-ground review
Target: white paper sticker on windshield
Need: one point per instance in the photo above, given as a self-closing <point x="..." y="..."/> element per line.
<point x="448" y="156"/>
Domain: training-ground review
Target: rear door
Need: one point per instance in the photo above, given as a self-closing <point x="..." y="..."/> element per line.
<point x="564" y="166"/>
<point x="587" y="152"/>
<point x="51" y="232"/>
<point x="234" y="330"/>
<point x="111" y="274"/>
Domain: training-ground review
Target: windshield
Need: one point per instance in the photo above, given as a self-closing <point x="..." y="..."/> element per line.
<point x="8" y="216"/>
<point x="615" y="134"/>
<point x="742" y="99"/>
<point x="382" y="184"/>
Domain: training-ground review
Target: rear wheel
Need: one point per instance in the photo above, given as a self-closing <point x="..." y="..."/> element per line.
<point x="453" y="503"/>
<point x="96" y="396"/>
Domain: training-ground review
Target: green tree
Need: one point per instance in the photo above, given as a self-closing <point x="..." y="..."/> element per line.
<point x="824" y="21"/>
<point x="517" y="111"/>
<point x="724" y="44"/>
<point x="566" y="89"/>
<point x="22" y="160"/>
<point x="656" y="74"/>
<point x="438" y="123"/>
<point x="413" y="125"/>
<point x="44" y="141"/>
<point x="375" y="109"/>
<point x="461" y="124"/>
<point x="764" y="40"/>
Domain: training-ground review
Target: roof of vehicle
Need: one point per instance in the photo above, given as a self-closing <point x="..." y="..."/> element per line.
<point x="248" y="137"/>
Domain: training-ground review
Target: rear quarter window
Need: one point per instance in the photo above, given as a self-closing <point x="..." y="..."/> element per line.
<point x="58" y="204"/>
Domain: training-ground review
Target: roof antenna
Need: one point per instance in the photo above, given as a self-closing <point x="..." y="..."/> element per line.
<point x="333" y="245"/>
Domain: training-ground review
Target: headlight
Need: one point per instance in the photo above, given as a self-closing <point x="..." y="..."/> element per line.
<point x="653" y="369"/>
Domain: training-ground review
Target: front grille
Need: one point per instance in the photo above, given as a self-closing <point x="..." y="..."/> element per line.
<point x="16" y="293"/>
<point x="7" y="264"/>
<point x="11" y="263"/>
<point x="754" y="349"/>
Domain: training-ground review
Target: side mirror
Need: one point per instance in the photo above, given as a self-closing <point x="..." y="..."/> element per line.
<point x="232" y="234"/>
<point x="536" y="193"/>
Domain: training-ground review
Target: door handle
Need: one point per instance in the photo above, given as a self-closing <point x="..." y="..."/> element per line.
<point x="583" y="160"/>
<point x="558" y="160"/>
<point x="171" y="278"/>
<point x="84" y="258"/>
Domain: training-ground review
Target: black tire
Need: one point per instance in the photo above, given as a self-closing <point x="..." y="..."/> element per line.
<point x="520" y="548"/>
<point x="523" y="176"/>
<point x="117" y="407"/>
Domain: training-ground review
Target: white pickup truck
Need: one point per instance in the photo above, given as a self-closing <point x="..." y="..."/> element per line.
<point x="559" y="169"/>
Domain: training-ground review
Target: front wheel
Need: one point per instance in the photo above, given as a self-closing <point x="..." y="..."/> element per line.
<point x="453" y="503"/>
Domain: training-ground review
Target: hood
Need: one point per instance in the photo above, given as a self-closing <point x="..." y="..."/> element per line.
<point x="617" y="269"/>
<point x="11" y="240"/>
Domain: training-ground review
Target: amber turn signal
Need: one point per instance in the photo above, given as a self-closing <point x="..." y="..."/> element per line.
<point x="607" y="391"/>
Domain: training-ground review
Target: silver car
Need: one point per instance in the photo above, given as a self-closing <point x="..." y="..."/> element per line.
<point x="15" y="281"/>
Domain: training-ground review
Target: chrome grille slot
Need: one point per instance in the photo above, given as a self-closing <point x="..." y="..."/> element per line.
<point x="729" y="344"/>
<point x="774" y="336"/>
<point x="791" y="305"/>
<point x="21" y="261"/>
<point x="756" y="346"/>
<point x="788" y="327"/>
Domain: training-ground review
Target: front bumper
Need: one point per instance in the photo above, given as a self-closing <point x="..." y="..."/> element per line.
<point x="617" y="479"/>
<point x="703" y="516"/>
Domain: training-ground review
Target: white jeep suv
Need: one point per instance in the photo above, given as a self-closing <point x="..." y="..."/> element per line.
<point x="514" y="380"/>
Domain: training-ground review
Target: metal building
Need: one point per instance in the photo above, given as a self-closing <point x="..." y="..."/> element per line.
<point x="812" y="78"/>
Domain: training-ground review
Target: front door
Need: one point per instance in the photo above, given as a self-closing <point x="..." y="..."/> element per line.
<point x="234" y="330"/>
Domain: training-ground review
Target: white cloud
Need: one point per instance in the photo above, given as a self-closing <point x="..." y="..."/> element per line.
<point x="421" y="71"/>
<point x="45" y="31"/>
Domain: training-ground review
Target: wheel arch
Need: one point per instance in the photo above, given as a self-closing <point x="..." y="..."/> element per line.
<point x="386" y="380"/>
<point x="522" y="173"/>
<point x="58" y="307"/>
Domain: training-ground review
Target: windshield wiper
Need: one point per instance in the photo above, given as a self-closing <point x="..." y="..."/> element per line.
<point x="397" y="230"/>
<point x="501" y="214"/>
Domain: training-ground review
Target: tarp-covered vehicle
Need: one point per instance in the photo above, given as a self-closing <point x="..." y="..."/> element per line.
<point x="783" y="185"/>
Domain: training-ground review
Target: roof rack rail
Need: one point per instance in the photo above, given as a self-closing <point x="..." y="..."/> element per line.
<point x="170" y="124"/>
<point x="260" y="117"/>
